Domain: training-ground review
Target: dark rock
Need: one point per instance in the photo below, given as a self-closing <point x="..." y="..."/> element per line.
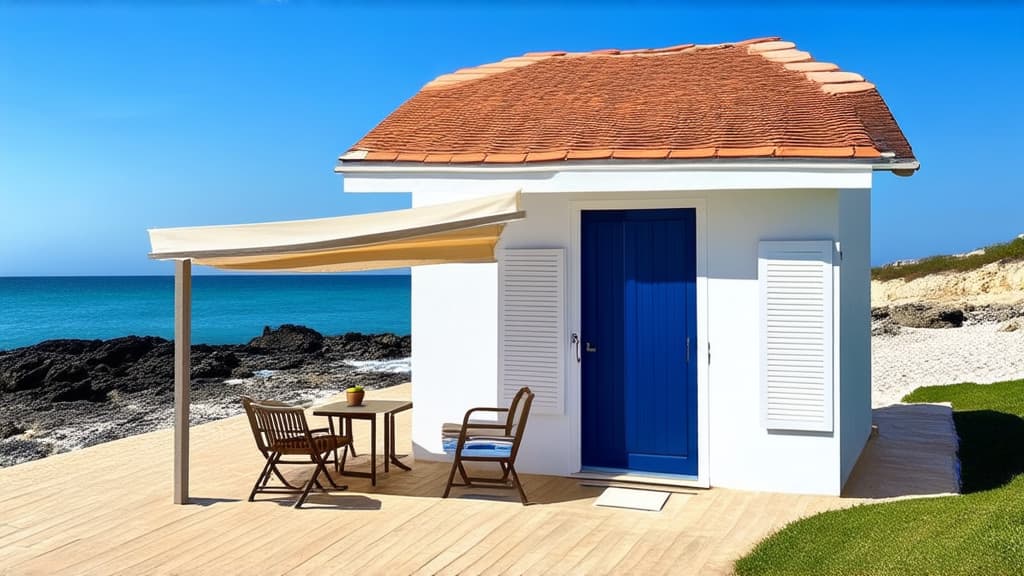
<point x="215" y="365"/>
<point x="994" y="313"/>
<point x="69" y="392"/>
<point x="885" y="327"/>
<point x="8" y="429"/>
<point x="72" y="372"/>
<point x="17" y="450"/>
<point x="125" y="350"/>
<point x="242" y="372"/>
<point x="82" y="391"/>
<point x="356" y="346"/>
<point x="287" y="338"/>
<point x="26" y="374"/>
<point x="927" y="316"/>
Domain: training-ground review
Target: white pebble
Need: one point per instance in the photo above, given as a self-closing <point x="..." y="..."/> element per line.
<point x="932" y="356"/>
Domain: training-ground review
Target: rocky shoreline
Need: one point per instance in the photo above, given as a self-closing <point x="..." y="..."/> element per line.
<point x="888" y="320"/>
<point x="60" y="395"/>
<point x="929" y="344"/>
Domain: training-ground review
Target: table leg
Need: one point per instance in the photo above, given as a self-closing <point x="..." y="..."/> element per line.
<point x="393" y="457"/>
<point x="348" y="434"/>
<point x="387" y="444"/>
<point x="373" y="451"/>
<point x="330" y="428"/>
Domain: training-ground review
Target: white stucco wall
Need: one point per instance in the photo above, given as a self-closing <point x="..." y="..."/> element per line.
<point x="855" y="322"/>
<point x="454" y="323"/>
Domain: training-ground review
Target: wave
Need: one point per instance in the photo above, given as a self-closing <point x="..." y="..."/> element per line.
<point x="394" y="366"/>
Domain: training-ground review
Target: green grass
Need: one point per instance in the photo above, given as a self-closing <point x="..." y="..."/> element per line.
<point x="1008" y="251"/>
<point x="980" y="532"/>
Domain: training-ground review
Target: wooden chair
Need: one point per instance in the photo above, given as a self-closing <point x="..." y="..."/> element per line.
<point x="281" y="430"/>
<point x="490" y="441"/>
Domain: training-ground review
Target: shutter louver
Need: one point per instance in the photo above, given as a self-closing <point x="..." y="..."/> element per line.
<point x="531" y="324"/>
<point x="796" y="334"/>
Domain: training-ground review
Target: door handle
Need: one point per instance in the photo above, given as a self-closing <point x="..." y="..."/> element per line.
<point x="590" y="347"/>
<point x="575" y="339"/>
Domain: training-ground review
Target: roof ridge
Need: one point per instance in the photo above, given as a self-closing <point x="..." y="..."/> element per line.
<point x="827" y="75"/>
<point x="484" y="70"/>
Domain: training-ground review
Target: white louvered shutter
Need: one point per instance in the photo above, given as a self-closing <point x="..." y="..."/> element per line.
<point x="796" y="334"/>
<point x="531" y="326"/>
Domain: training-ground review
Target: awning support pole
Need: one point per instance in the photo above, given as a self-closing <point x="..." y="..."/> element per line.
<point x="182" y="374"/>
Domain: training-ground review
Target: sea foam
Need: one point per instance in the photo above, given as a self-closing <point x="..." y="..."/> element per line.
<point x="395" y="366"/>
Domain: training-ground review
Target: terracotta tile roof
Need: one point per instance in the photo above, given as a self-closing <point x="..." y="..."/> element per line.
<point x="761" y="98"/>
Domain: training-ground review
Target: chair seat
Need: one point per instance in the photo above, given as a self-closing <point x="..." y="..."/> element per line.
<point x="481" y="446"/>
<point x="321" y="443"/>
<point x="476" y="428"/>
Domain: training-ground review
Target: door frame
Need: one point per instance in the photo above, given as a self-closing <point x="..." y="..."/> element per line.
<point x="574" y="302"/>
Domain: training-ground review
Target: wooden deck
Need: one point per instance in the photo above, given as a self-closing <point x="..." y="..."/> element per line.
<point x="107" y="510"/>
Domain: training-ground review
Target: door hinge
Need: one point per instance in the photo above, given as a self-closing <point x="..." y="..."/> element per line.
<point x="709" y="352"/>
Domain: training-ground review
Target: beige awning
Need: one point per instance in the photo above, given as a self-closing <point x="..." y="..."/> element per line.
<point x="464" y="231"/>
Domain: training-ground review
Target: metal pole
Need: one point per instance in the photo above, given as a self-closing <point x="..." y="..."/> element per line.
<point x="182" y="374"/>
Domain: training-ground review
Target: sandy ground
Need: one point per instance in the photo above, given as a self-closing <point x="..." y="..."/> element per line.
<point x="925" y="357"/>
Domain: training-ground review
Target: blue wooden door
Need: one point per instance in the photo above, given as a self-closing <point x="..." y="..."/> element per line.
<point x="639" y="335"/>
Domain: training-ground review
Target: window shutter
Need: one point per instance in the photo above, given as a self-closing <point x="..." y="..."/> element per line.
<point x="531" y="326"/>
<point x="796" y="334"/>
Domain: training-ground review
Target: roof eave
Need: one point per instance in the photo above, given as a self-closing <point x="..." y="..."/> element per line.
<point x="901" y="166"/>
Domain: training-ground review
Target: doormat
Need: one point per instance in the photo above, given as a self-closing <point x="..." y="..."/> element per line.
<point x="650" y="500"/>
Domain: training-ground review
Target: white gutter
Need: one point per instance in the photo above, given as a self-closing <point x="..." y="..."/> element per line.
<point x="364" y="167"/>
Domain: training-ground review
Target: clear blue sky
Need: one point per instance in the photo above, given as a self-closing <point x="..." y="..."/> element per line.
<point x="121" y="117"/>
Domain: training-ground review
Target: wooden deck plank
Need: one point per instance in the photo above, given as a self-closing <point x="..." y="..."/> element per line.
<point x="107" y="510"/>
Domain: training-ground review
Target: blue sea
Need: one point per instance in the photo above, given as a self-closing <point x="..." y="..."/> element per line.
<point x="228" y="309"/>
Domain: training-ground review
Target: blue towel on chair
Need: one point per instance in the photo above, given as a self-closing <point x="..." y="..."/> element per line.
<point x="486" y="447"/>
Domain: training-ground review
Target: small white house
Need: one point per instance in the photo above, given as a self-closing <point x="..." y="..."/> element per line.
<point x="688" y="293"/>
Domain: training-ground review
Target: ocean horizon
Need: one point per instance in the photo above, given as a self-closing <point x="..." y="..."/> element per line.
<point x="226" y="309"/>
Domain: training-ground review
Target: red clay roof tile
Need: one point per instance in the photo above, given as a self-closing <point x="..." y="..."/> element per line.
<point x="468" y="157"/>
<point x="758" y="98"/>
<point x="589" y="154"/>
<point x="505" y="158"/>
<point x="381" y="156"/>
<point x="816" y="151"/>
<point x="749" y="152"/>
<point x="644" y="154"/>
<point x="692" y="153"/>
<point x="546" y="156"/>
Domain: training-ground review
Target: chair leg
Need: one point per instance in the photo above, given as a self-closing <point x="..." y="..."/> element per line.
<point x="322" y="466"/>
<point x="261" y="481"/>
<point x="344" y="457"/>
<point x="309" y="486"/>
<point x="451" y="475"/>
<point x="519" y="485"/>
<point x="465" y="476"/>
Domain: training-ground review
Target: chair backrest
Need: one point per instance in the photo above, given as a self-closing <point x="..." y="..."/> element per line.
<point x="257" y="431"/>
<point x="518" y="412"/>
<point x="515" y="410"/>
<point x="280" y="424"/>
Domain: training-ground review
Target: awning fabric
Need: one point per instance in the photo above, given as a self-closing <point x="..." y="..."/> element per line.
<point x="464" y="231"/>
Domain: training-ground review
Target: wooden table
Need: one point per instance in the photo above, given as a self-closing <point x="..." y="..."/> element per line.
<point x="368" y="410"/>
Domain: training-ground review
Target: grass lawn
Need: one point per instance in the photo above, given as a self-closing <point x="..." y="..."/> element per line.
<point x="1009" y="251"/>
<point x="980" y="532"/>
